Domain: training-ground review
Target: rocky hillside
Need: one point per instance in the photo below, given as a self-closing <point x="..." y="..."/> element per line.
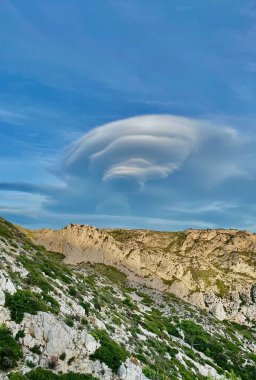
<point x="212" y="269"/>
<point x="90" y="321"/>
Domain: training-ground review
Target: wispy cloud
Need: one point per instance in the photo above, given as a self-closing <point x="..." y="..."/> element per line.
<point x="31" y="188"/>
<point x="202" y="208"/>
<point x="24" y="204"/>
<point x="112" y="221"/>
<point x="12" y="117"/>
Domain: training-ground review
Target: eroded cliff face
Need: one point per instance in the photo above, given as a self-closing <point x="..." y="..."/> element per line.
<point x="213" y="269"/>
<point x="89" y="321"/>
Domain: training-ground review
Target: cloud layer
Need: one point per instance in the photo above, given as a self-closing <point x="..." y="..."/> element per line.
<point x="154" y="171"/>
<point x="153" y="147"/>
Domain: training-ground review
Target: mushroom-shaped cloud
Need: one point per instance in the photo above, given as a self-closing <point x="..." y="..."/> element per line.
<point x="137" y="149"/>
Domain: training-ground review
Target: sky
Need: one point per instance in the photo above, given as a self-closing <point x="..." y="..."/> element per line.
<point x="128" y="113"/>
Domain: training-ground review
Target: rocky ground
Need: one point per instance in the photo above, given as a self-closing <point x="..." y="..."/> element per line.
<point x="212" y="269"/>
<point x="90" y="321"/>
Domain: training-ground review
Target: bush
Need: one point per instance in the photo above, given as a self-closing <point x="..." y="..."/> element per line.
<point x="70" y="361"/>
<point x="10" y="349"/>
<point x="172" y="330"/>
<point x="23" y="301"/>
<point x="72" y="291"/>
<point x="36" y="350"/>
<point x="35" y="277"/>
<point x="154" y="373"/>
<point x="43" y="374"/>
<point x="20" y="335"/>
<point x="128" y="302"/>
<point x="30" y="364"/>
<point x="54" y="305"/>
<point x="85" y="306"/>
<point x="76" y="376"/>
<point x="69" y="320"/>
<point x="63" y="356"/>
<point x="109" y="352"/>
<point x="225" y="353"/>
<point x="17" y="376"/>
<point x="96" y="304"/>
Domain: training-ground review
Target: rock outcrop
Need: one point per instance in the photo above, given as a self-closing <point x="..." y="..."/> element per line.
<point x="213" y="269"/>
<point x="90" y="322"/>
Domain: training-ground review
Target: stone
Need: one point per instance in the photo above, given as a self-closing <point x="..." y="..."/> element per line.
<point x="55" y="336"/>
<point x="131" y="371"/>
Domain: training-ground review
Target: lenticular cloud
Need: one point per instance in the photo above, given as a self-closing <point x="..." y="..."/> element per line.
<point x="140" y="148"/>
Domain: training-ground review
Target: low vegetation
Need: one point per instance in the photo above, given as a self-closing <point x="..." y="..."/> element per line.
<point x="10" y="349"/>
<point x="43" y="374"/>
<point x="24" y="301"/>
<point x="109" y="352"/>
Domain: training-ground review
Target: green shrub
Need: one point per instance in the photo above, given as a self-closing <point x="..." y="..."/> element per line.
<point x="109" y="352"/>
<point x="63" y="356"/>
<point x="96" y="304"/>
<point x="54" y="305"/>
<point x="30" y="364"/>
<point x="149" y="372"/>
<point x="172" y="330"/>
<point x="75" y="376"/>
<point x="23" y="301"/>
<point x="146" y="299"/>
<point x="36" y="350"/>
<point x="155" y="323"/>
<point x="225" y="353"/>
<point x="10" y="349"/>
<point x="45" y="264"/>
<point x="129" y="302"/>
<point x="70" y="361"/>
<point x="35" y="278"/>
<point x="72" y="291"/>
<point x="85" y="306"/>
<point x="194" y="332"/>
<point x="117" y="320"/>
<point x="43" y="374"/>
<point x="20" y="335"/>
<point x="69" y="320"/>
<point x="154" y="374"/>
<point x="17" y="376"/>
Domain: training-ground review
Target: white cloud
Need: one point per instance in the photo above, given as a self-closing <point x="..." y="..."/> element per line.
<point x="20" y="203"/>
<point x="153" y="147"/>
<point x="201" y="208"/>
<point x="10" y="116"/>
<point x="118" y="221"/>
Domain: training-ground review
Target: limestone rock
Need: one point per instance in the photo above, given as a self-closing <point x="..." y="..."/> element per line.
<point x="56" y="337"/>
<point x="6" y="285"/>
<point x="131" y="371"/>
<point x="190" y="264"/>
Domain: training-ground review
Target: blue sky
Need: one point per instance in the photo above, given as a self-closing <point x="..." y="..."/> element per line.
<point x="128" y="113"/>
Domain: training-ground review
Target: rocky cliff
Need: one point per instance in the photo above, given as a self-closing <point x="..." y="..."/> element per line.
<point x="90" y="322"/>
<point x="213" y="269"/>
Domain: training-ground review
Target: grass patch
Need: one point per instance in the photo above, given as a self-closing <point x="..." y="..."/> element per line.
<point x="223" y="289"/>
